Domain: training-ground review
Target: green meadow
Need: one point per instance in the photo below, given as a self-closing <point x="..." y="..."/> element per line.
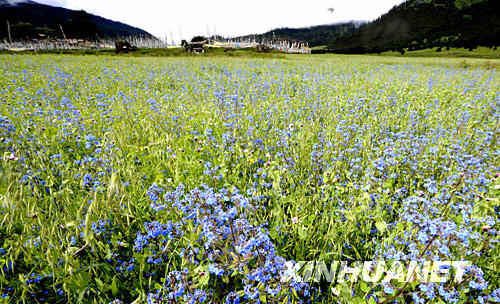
<point x="206" y="179"/>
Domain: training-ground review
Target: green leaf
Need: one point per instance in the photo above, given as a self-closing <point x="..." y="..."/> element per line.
<point x="309" y="220"/>
<point x="302" y="234"/>
<point x="381" y="226"/>
<point x="204" y="279"/>
<point x="114" y="286"/>
<point x="99" y="283"/>
<point x="346" y="292"/>
<point x="70" y="224"/>
<point x="273" y="233"/>
<point x="81" y="294"/>
<point x="367" y="197"/>
<point x="364" y="287"/>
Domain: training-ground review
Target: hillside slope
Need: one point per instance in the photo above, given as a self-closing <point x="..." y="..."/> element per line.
<point x="314" y="35"/>
<point x="29" y="19"/>
<point x="420" y="24"/>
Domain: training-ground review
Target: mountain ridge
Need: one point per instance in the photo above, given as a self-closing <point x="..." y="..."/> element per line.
<point x="316" y="35"/>
<point x="420" y="24"/>
<point x="29" y="19"/>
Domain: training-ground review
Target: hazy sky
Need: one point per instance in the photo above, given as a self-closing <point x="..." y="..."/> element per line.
<point x="188" y="18"/>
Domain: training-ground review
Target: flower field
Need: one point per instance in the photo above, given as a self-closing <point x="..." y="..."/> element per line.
<point x="195" y="180"/>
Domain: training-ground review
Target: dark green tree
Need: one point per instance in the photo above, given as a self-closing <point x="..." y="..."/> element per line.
<point x="198" y="39"/>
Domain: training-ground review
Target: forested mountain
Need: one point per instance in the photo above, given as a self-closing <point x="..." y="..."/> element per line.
<point x="29" y="19"/>
<point x="419" y="24"/>
<point x="314" y="35"/>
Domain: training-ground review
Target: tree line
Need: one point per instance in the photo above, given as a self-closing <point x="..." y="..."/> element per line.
<point x="420" y="24"/>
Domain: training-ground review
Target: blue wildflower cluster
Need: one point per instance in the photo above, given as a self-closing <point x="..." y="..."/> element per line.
<point x="6" y="129"/>
<point x="430" y="234"/>
<point x="223" y="242"/>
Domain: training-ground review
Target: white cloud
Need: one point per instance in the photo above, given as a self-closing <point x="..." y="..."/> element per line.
<point x="188" y="18"/>
<point x="13" y="2"/>
<point x="60" y="3"/>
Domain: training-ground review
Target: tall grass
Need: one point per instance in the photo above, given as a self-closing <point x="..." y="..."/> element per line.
<point x="336" y="155"/>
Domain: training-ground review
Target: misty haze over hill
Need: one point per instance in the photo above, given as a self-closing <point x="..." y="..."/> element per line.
<point x="318" y="35"/>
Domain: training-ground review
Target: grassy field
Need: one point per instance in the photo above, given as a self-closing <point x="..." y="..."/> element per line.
<point x="160" y="52"/>
<point x="197" y="180"/>
<point x="479" y="52"/>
